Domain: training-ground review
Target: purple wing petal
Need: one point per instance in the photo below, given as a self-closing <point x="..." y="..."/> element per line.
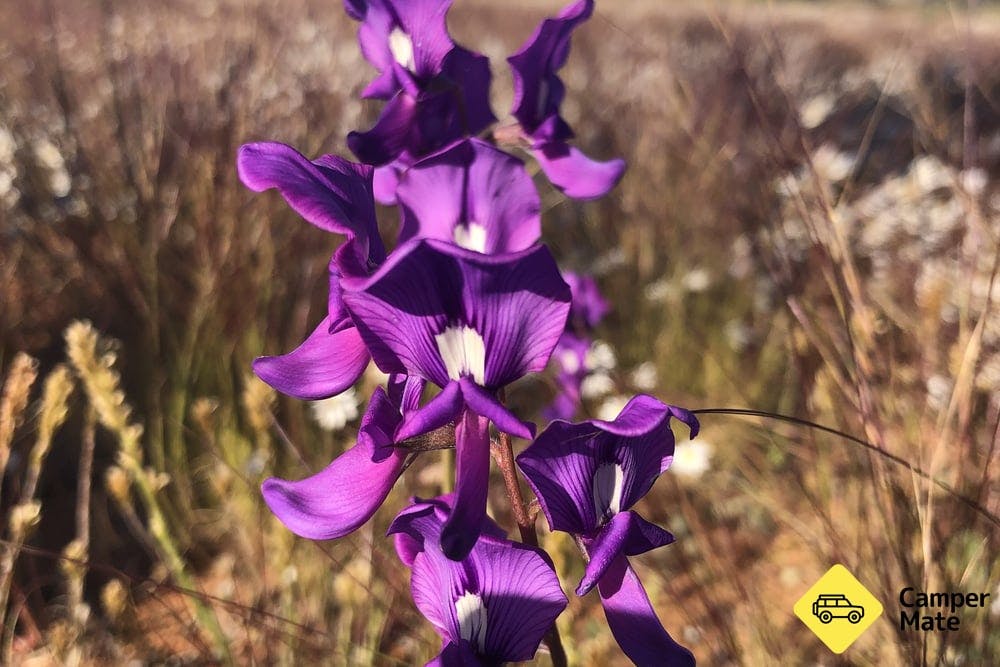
<point x="483" y="403"/>
<point x="471" y="188"/>
<point x="633" y="621"/>
<point x="345" y="494"/>
<point x="441" y="410"/>
<point x="472" y="481"/>
<point x="521" y="593"/>
<point x="324" y="365"/>
<point x="626" y="534"/>
<point x="575" y="174"/>
<point x="538" y="92"/>
<point x="331" y="193"/>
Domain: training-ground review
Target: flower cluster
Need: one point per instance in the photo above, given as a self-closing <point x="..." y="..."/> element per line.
<point x="467" y="300"/>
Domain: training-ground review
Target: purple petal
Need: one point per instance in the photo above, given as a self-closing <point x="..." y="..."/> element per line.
<point x="483" y="403"/>
<point x="560" y="466"/>
<point x="419" y="526"/>
<point x="575" y="174"/>
<point x="456" y="654"/>
<point x="421" y="23"/>
<point x="330" y="192"/>
<point x="626" y="534"/>
<point x="469" y="75"/>
<point x="391" y="134"/>
<point x="345" y="494"/>
<point x="516" y="303"/>
<point x="538" y="92"/>
<point x="324" y="365"/>
<point x="633" y="621"/>
<point x="472" y="481"/>
<point x="589" y="307"/>
<point x="385" y="182"/>
<point x="471" y="184"/>
<point x="356" y="8"/>
<point x="566" y="402"/>
<point x="441" y="410"/>
<point x="521" y="593"/>
<point x="515" y="583"/>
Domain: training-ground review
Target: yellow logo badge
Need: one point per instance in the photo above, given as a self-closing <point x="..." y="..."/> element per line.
<point x="838" y="609"/>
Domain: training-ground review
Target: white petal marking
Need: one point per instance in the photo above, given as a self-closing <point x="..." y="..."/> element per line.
<point x="608" y="481"/>
<point x="471" y="236"/>
<point x="463" y="352"/>
<point x="401" y="47"/>
<point x="471" y="615"/>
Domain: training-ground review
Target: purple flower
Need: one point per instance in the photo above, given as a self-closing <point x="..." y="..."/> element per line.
<point x="538" y="94"/>
<point x="490" y="608"/>
<point x="437" y="92"/>
<point x="589" y="307"/>
<point x="587" y="476"/>
<point x="334" y="195"/>
<point x="570" y="356"/>
<point x="345" y="494"/>
<point x="471" y="194"/>
<point x="471" y="324"/>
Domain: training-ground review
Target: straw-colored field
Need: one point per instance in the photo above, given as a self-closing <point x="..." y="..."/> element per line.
<point x="810" y="225"/>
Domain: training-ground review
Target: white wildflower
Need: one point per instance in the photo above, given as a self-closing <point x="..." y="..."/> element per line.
<point x="612" y="407"/>
<point x="596" y="385"/>
<point x="600" y="356"/>
<point x="697" y="280"/>
<point x="644" y="377"/>
<point x="938" y="391"/>
<point x="332" y="414"/>
<point x="692" y="458"/>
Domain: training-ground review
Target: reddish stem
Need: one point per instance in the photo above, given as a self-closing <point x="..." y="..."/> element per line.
<point x="525" y="526"/>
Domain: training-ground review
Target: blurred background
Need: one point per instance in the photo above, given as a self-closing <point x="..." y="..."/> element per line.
<point x="810" y="224"/>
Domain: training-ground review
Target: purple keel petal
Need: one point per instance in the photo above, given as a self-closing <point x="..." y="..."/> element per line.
<point x="442" y="409"/>
<point x="472" y="194"/>
<point x="472" y="481"/>
<point x="633" y="621"/>
<point x="418" y="527"/>
<point x="330" y="192"/>
<point x="322" y="366"/>
<point x="626" y="534"/>
<point x="345" y="494"/>
<point x="576" y="174"/>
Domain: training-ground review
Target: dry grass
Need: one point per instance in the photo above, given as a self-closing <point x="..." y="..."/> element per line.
<point x="810" y="225"/>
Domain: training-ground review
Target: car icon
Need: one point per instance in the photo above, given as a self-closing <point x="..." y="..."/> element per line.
<point x="828" y="607"/>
